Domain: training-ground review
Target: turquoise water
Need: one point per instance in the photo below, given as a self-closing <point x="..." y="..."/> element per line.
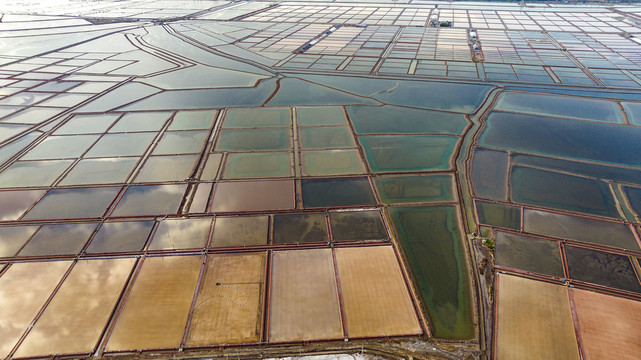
<point x="391" y="119"/>
<point x="562" y="106"/>
<point x="463" y="98"/>
<point x="408" y="153"/>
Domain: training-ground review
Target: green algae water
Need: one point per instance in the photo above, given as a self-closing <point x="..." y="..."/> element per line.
<point x="431" y="240"/>
<point x="415" y="189"/>
<point x="499" y="215"/>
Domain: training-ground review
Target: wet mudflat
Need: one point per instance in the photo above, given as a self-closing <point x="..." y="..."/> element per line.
<point x="300" y="228"/>
<point x="602" y="268"/>
<point x="240" y="231"/>
<point x="529" y="254"/>
<point x="357" y="225"/>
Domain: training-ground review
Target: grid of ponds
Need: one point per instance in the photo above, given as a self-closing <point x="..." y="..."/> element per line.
<point x="239" y="174"/>
<point x="560" y="220"/>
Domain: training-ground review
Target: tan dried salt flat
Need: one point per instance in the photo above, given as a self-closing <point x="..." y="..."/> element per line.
<point x="228" y="309"/>
<point x="93" y="287"/>
<point x="24" y="289"/>
<point x="534" y="321"/>
<point x="156" y="310"/>
<point x="608" y="325"/>
<point x="375" y="296"/>
<point x="304" y="297"/>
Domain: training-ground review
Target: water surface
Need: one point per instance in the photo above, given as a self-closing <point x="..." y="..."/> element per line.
<point x="408" y="153"/>
<point x="415" y="189"/>
<point x="391" y="119"/>
<point x="561" y="191"/>
<point x="573" y="139"/>
<point x="431" y="240"/>
<point x="562" y="106"/>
